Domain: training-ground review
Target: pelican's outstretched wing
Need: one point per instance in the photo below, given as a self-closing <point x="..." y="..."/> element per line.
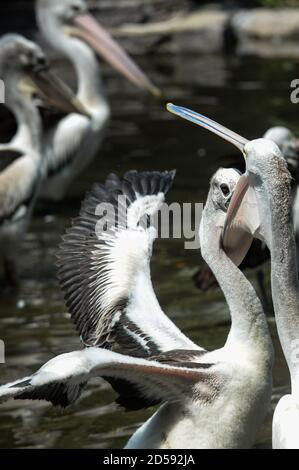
<point x="60" y="381"/>
<point x="104" y="270"/>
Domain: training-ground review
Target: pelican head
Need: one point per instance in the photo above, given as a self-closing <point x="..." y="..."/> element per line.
<point x="17" y="55"/>
<point x="264" y="187"/>
<point x="222" y="187"/>
<point x="67" y="21"/>
<point x="26" y="73"/>
<point x="64" y="11"/>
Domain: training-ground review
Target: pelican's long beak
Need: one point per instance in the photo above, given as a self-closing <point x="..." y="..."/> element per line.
<point x="52" y="91"/>
<point x="208" y="124"/>
<point x="88" y="29"/>
<point x="242" y="222"/>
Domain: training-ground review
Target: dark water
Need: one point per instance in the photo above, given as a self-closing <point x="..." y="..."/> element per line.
<point x="247" y="95"/>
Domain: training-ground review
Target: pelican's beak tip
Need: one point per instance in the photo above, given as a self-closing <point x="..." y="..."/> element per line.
<point x="170" y="107"/>
<point x="156" y="92"/>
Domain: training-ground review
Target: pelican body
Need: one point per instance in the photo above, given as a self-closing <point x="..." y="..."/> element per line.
<point x="264" y="162"/>
<point x="73" y="141"/>
<point x="277" y="230"/>
<point x="261" y="208"/>
<point x="209" y="399"/>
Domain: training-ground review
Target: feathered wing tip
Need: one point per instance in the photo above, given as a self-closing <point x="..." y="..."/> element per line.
<point x="105" y="249"/>
<point x="150" y="183"/>
<point x="61" y="380"/>
<point x="62" y="394"/>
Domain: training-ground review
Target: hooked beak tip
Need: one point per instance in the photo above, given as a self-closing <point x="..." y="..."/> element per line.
<point x="172" y="108"/>
<point x="156" y="92"/>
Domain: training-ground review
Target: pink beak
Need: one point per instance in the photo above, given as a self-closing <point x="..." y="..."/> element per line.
<point x="88" y="29"/>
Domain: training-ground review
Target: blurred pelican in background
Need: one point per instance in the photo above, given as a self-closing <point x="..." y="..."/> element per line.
<point x="26" y="75"/>
<point x="74" y="139"/>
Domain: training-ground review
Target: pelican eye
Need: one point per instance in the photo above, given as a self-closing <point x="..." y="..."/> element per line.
<point x="76" y="9"/>
<point x="41" y="61"/>
<point x="224" y="189"/>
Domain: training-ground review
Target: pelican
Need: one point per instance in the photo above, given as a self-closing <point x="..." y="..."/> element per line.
<point x="261" y="207"/>
<point x="215" y="399"/>
<point x="24" y="70"/>
<point x="73" y="140"/>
